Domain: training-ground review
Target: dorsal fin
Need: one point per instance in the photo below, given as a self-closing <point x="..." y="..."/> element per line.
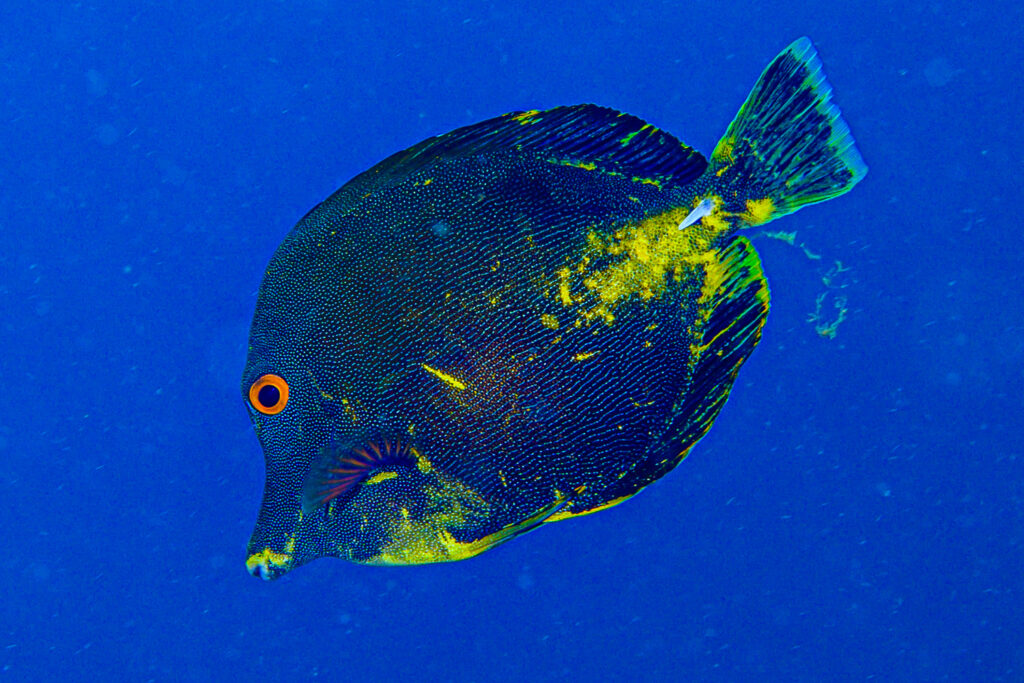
<point x="583" y="134"/>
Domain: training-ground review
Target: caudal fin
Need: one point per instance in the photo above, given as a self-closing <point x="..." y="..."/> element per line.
<point x="788" y="146"/>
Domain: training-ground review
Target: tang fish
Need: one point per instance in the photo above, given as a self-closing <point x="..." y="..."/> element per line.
<point x="521" y="321"/>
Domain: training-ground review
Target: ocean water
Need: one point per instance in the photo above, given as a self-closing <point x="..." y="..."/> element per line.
<point x="855" y="513"/>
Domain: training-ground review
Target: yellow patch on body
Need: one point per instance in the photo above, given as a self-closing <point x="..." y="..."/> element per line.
<point x="451" y="381"/>
<point x="424" y="534"/>
<point x="422" y="463"/>
<point x="349" y="410"/>
<point x="642" y="261"/>
<point x="383" y="476"/>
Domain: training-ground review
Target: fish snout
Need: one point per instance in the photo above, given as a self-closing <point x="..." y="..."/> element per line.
<point x="268" y="565"/>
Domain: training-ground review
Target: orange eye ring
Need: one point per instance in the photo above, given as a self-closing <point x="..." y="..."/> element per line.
<point x="269" y="394"/>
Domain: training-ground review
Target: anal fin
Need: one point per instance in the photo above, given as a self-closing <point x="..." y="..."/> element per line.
<point x="734" y="306"/>
<point x="731" y="310"/>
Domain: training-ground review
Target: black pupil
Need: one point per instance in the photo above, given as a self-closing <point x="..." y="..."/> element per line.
<point x="269" y="396"/>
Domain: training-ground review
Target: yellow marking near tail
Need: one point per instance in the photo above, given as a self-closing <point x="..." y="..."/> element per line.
<point x="444" y="377"/>
<point x="647" y="258"/>
<point x="758" y="211"/>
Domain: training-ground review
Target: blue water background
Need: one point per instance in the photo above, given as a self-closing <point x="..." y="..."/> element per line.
<point x="855" y="513"/>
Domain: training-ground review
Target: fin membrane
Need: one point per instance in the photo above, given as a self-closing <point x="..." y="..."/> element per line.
<point x="580" y="134"/>
<point x="789" y="139"/>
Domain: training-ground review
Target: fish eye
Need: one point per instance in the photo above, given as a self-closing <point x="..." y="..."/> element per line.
<point x="269" y="394"/>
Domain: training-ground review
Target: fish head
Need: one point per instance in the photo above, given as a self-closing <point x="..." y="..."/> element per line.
<point x="291" y="429"/>
<point x="290" y="389"/>
<point x="335" y="398"/>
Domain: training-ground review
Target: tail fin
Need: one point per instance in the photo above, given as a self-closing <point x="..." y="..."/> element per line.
<point x="788" y="146"/>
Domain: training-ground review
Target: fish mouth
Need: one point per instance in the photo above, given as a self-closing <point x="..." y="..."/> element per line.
<point x="263" y="572"/>
<point x="268" y="565"/>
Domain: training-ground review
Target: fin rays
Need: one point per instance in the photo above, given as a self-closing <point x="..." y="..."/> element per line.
<point x="789" y="139"/>
<point x="340" y="469"/>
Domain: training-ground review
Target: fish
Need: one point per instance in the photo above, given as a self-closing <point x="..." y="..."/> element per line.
<point x="522" y="321"/>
